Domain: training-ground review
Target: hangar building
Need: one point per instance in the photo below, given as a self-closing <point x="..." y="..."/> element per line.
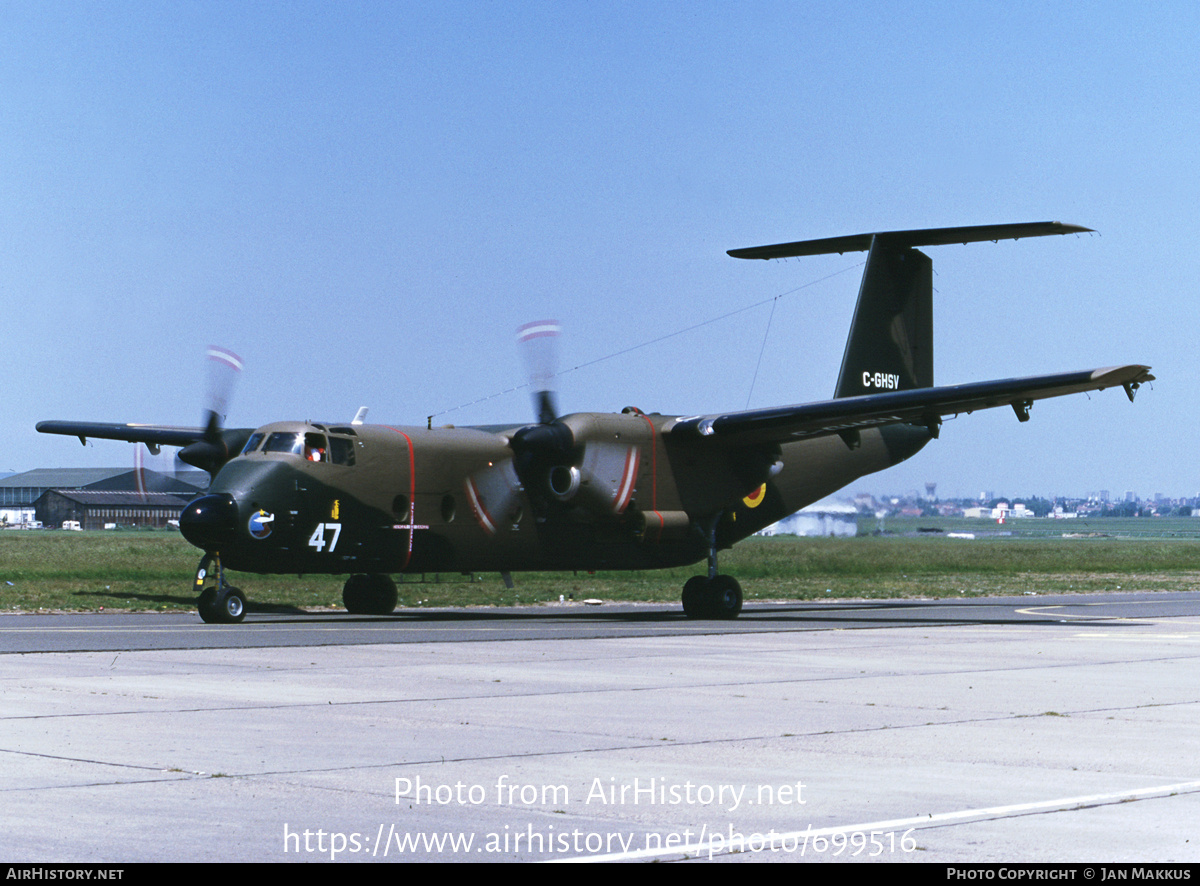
<point x="19" y="493"/>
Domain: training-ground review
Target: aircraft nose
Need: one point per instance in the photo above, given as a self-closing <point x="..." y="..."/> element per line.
<point x="210" y="522"/>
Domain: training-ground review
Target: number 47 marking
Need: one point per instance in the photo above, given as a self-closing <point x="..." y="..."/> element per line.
<point x="317" y="540"/>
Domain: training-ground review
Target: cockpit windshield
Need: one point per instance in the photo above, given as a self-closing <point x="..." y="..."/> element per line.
<point x="284" y="441"/>
<point x="311" y="445"/>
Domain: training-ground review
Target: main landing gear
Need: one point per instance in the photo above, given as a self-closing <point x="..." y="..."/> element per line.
<point x="219" y="603"/>
<point x="370" y="595"/>
<point x="712" y="595"/>
<point x="716" y="597"/>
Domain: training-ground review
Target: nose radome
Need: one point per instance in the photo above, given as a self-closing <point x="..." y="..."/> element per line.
<point x="210" y="522"/>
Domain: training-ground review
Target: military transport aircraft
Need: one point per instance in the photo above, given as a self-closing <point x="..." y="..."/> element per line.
<point x="588" y="491"/>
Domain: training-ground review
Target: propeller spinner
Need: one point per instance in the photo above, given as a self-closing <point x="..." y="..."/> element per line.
<point x="559" y="463"/>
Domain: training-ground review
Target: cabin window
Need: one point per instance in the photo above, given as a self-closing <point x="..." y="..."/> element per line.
<point x="341" y="451"/>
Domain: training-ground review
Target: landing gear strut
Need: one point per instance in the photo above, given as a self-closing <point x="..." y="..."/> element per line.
<point x="219" y="603"/>
<point x="369" y="595"/>
<point x="713" y="595"/>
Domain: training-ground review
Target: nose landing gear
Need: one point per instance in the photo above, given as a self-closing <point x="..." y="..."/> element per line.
<point x="218" y="603"/>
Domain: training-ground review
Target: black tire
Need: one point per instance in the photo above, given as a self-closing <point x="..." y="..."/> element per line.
<point x="695" y="597"/>
<point x="725" y="597"/>
<point x="370" y="595"/>
<point x="207" y="606"/>
<point x="384" y="595"/>
<point x="356" y="594"/>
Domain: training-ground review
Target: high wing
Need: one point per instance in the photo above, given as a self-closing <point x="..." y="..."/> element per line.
<point x="152" y="435"/>
<point x="924" y="406"/>
<point x="207" y="448"/>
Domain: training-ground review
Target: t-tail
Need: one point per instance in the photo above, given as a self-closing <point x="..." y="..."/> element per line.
<point x="890" y="347"/>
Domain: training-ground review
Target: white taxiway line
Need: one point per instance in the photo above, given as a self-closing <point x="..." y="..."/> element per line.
<point x="721" y="845"/>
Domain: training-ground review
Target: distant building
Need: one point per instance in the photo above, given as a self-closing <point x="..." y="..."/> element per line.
<point x="1002" y="511"/>
<point x="819" y="519"/>
<point x="106" y="510"/>
<point x="19" y="493"/>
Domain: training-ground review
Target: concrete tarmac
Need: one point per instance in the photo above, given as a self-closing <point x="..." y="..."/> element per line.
<point x="1066" y="737"/>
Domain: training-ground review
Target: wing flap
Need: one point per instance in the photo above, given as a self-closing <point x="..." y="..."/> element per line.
<point x="924" y="406"/>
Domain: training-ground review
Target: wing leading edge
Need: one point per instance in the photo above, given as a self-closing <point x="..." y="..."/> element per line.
<point x="924" y="406"/>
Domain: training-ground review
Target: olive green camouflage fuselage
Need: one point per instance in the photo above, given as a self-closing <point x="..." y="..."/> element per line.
<point x="412" y="499"/>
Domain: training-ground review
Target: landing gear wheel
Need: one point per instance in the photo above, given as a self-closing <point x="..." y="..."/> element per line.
<point x="207" y="606"/>
<point x="695" y="597"/>
<point x="369" y="595"/>
<point x="218" y="603"/>
<point x="222" y="607"/>
<point x="719" y="597"/>
<point x="725" y="597"/>
<point x="354" y="594"/>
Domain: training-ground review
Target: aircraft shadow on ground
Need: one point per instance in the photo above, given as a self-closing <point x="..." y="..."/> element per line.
<point x="889" y="613"/>
<point x="184" y="602"/>
<point x="892" y="613"/>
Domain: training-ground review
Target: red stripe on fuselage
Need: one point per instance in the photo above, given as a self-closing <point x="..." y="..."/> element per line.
<point x="412" y="493"/>
<point x="654" y="476"/>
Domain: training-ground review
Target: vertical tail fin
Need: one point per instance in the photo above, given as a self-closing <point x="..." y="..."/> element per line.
<point x="890" y="347"/>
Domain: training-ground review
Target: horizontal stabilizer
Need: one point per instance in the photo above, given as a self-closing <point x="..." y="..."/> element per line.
<point x="905" y="239"/>
<point x="924" y="406"/>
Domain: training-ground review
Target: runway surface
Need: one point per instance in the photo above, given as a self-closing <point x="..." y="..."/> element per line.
<point x="124" y="631"/>
<point x="1024" y="729"/>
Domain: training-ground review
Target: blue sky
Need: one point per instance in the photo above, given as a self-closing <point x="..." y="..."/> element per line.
<point x="364" y="200"/>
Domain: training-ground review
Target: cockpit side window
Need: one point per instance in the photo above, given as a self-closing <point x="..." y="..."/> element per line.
<point x="253" y="442"/>
<point x="315" y="447"/>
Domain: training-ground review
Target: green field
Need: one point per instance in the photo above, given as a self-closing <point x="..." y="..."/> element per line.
<point x="89" y="571"/>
